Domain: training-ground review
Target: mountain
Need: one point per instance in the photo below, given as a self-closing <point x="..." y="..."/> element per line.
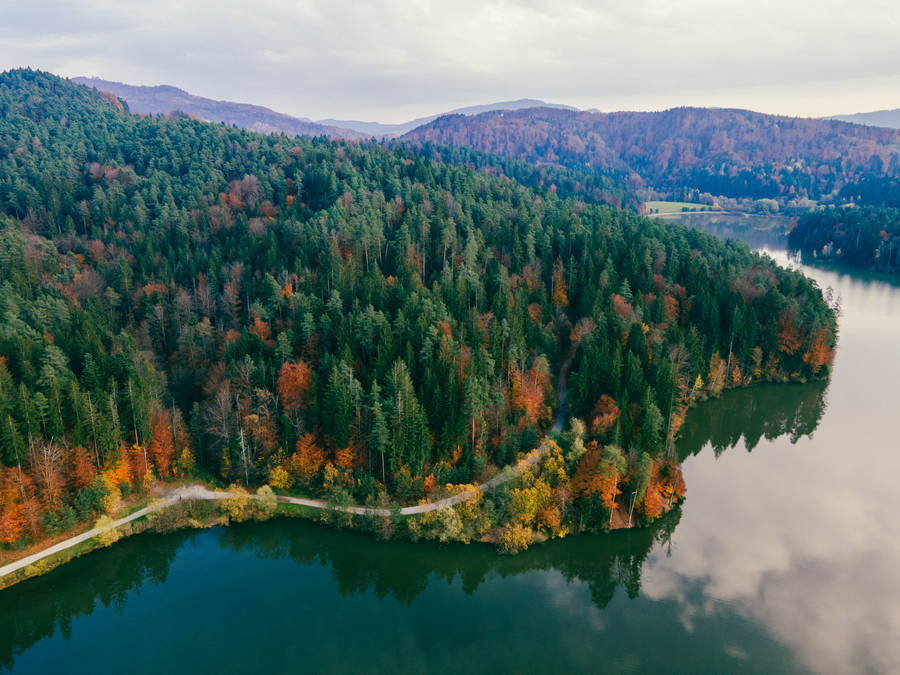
<point x="386" y="130"/>
<point x="878" y="118"/>
<point x="164" y="99"/>
<point x="735" y="153"/>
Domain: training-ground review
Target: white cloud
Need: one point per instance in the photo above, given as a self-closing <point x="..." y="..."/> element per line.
<point x="394" y="59"/>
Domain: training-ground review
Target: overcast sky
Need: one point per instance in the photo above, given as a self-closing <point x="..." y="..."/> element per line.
<point x="397" y="59"/>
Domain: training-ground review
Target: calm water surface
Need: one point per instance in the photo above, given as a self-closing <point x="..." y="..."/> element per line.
<point x="785" y="557"/>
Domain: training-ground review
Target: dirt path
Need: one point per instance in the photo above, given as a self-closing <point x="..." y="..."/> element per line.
<point x="171" y="498"/>
<point x="200" y="492"/>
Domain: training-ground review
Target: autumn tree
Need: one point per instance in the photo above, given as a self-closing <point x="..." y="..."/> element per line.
<point x="294" y="382"/>
<point x="81" y="468"/>
<point x="307" y="460"/>
<point x="818" y="353"/>
<point x="161" y="447"/>
<point x="47" y="464"/>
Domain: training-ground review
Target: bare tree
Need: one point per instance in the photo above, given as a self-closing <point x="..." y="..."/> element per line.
<point x="47" y="465"/>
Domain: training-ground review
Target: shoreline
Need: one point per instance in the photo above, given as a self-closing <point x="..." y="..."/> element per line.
<point x="31" y="565"/>
<point x="49" y="559"/>
<point x="41" y="562"/>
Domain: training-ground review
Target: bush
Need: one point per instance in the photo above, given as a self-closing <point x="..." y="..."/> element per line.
<point x="67" y="519"/>
<point x="266" y="503"/>
<point x="237" y="508"/>
<point x="50" y="523"/>
<point x="110" y="534"/>
<point x="89" y="501"/>
<point x="190" y="513"/>
<point x="515" y="537"/>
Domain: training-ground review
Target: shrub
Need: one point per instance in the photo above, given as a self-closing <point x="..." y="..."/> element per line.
<point x="110" y="534"/>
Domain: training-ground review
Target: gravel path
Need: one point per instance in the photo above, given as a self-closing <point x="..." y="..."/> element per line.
<point x="199" y="492"/>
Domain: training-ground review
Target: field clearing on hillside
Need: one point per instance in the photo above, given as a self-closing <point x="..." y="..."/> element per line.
<point x="662" y="207"/>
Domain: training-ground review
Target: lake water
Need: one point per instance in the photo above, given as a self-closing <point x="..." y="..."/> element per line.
<point x="785" y="557"/>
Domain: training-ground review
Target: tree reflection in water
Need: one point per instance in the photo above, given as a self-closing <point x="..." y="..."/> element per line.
<point x="764" y="411"/>
<point x="38" y="608"/>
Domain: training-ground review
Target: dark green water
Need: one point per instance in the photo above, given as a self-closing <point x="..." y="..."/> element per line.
<point x="785" y="557"/>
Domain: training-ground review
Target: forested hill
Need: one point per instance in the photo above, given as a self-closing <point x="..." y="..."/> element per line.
<point x="592" y="187"/>
<point x="735" y="153"/>
<point x="165" y="99"/>
<point x="866" y="237"/>
<point x="181" y="297"/>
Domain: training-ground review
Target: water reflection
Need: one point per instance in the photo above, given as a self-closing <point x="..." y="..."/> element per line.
<point x="357" y="565"/>
<point x="763" y="411"/>
<point x="403" y="570"/>
<point x="757" y="231"/>
<point x="36" y="609"/>
<point x="802" y="537"/>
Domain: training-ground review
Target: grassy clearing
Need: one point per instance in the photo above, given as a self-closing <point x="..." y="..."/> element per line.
<point x="662" y="208"/>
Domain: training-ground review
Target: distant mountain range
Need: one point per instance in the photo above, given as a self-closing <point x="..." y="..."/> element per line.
<point x="735" y="153"/>
<point x="727" y="152"/>
<point x="165" y="99"/>
<point x="385" y="130"/>
<point x="877" y="118"/>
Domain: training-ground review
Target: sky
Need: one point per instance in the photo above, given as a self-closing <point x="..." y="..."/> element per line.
<point x="394" y="60"/>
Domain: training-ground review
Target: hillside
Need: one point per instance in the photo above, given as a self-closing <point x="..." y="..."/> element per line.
<point x="391" y="130"/>
<point x="164" y="99"/>
<point x="349" y="320"/>
<point x="889" y="119"/>
<point x="735" y="153"/>
<point x="866" y="237"/>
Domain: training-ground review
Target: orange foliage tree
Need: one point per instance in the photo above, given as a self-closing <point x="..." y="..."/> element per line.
<point x="344" y="458"/>
<point x="599" y="472"/>
<point x="12" y="516"/>
<point x="162" y="448"/>
<point x="81" y="468"/>
<point x="789" y="336"/>
<point x="665" y="484"/>
<point x="307" y="459"/>
<point x="818" y="353"/>
<point x="604" y="415"/>
<point x="530" y="390"/>
<point x="294" y="382"/>
<point x="261" y="329"/>
<point x="560" y="289"/>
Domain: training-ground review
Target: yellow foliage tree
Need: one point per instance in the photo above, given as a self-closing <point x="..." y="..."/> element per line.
<point x="280" y="479"/>
<point x="515" y="537"/>
<point x="109" y="534"/>
<point x="236" y="508"/>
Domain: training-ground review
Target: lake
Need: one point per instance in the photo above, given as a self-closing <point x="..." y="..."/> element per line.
<point x="785" y="557"/>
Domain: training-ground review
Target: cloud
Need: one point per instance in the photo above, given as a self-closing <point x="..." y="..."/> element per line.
<point x="803" y="538"/>
<point x="394" y="59"/>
